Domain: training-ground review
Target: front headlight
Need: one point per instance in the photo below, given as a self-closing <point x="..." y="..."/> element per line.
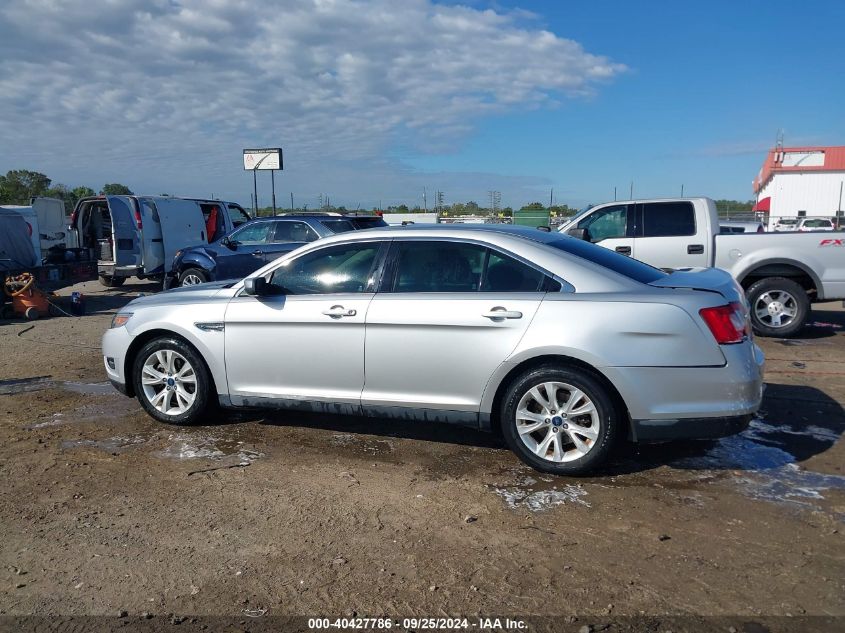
<point x="120" y="319"/>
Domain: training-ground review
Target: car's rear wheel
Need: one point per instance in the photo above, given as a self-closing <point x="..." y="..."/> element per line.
<point x="172" y="382"/>
<point x="192" y="277"/>
<point x="559" y="420"/>
<point x="779" y="306"/>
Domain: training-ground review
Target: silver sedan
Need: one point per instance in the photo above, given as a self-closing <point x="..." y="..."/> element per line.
<point x="563" y="346"/>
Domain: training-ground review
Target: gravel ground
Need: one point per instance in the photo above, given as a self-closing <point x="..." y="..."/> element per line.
<point x="103" y="510"/>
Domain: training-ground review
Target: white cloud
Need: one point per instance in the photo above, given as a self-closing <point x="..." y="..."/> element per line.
<point x="167" y="92"/>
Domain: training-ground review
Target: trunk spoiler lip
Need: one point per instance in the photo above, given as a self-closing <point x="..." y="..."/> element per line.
<point x="704" y="279"/>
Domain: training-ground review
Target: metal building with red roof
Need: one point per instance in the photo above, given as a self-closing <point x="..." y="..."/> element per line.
<point x="801" y="181"/>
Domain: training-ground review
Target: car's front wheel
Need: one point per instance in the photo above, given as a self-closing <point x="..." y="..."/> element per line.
<point x="172" y="382"/>
<point x="192" y="277"/>
<point x="559" y="420"/>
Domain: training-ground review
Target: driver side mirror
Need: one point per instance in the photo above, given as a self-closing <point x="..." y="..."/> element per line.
<point x="229" y="243"/>
<point x="256" y="286"/>
<point x="580" y="234"/>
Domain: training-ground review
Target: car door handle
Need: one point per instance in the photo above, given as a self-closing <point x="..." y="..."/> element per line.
<point x="499" y="313"/>
<point x="625" y="250"/>
<point x="695" y="249"/>
<point x="257" y="253"/>
<point x="337" y="312"/>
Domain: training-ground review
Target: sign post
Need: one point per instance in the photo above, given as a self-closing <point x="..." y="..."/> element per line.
<point x="264" y="159"/>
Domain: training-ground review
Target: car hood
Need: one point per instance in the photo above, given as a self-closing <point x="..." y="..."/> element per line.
<point x="706" y="279"/>
<point x="200" y="293"/>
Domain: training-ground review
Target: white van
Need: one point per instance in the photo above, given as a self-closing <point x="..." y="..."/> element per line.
<point x="138" y="236"/>
<point x="46" y="223"/>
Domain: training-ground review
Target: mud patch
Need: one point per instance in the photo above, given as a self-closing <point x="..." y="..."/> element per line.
<point x="537" y="496"/>
<point x="362" y="444"/>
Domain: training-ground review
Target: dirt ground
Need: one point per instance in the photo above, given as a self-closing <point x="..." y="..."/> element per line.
<point x="103" y="510"/>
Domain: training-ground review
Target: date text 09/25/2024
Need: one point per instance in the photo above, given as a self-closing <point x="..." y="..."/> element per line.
<point x="417" y="624"/>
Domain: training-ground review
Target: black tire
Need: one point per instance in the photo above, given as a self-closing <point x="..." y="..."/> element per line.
<point x="205" y="395"/>
<point x="190" y="273"/>
<point x="607" y="418"/>
<point x="783" y="287"/>
<point x="112" y="282"/>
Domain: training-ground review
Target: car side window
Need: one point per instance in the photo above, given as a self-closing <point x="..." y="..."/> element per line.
<point x="290" y="231"/>
<point x="338" y="226"/>
<point x="258" y="233"/>
<point x="237" y="215"/>
<point x="347" y="268"/>
<point x="611" y="222"/>
<point x="668" y="219"/>
<point x="505" y="274"/>
<point x="438" y="267"/>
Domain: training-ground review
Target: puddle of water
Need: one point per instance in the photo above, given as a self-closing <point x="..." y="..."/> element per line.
<point x="92" y="388"/>
<point x="362" y="444"/>
<point x="527" y="493"/>
<point x="110" y="444"/>
<point x="191" y="446"/>
<point x="102" y="410"/>
<point x="769" y="471"/>
<point x="23" y="385"/>
<point x="39" y="383"/>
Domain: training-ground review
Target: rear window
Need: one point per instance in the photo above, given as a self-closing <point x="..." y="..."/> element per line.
<point x="630" y="268"/>
<point x="668" y="219"/>
<point x="338" y="226"/>
<point x="367" y="222"/>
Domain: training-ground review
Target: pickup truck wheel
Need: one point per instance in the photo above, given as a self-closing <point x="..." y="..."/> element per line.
<point x="112" y="282"/>
<point x="192" y="277"/>
<point x="559" y="420"/>
<point x="779" y="306"/>
<point x="172" y="382"/>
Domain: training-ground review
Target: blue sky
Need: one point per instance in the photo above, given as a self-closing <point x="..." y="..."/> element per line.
<point x="373" y="100"/>
<point x="708" y="87"/>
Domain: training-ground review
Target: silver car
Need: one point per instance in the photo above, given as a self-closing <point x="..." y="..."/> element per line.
<point x="564" y="346"/>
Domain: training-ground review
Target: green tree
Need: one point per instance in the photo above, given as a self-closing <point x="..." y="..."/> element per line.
<point x="19" y="185"/>
<point x="533" y="206"/>
<point x="116" y="189"/>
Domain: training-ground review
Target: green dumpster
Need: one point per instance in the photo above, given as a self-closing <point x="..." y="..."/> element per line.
<point x="531" y="217"/>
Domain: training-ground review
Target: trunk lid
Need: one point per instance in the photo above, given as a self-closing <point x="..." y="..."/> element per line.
<point x="705" y="279"/>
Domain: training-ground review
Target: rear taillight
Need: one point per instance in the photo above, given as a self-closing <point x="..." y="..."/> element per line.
<point x="729" y="324"/>
<point x="138" y="218"/>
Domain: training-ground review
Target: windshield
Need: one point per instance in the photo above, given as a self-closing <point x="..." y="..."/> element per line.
<point x="578" y="215"/>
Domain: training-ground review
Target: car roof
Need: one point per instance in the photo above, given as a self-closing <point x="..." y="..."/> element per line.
<point x="458" y="230"/>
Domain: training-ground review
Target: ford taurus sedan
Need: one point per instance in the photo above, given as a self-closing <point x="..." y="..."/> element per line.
<point x="562" y="345"/>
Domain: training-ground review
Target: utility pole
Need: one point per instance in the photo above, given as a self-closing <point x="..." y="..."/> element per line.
<point x="614" y="194"/>
<point x="632" y="190"/>
<point x="682" y="190"/>
<point x="551" y="197"/>
<point x="425" y="202"/>
<point x="291" y="201"/>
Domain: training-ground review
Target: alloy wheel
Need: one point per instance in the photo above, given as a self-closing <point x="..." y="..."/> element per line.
<point x="169" y="382"/>
<point x="776" y="308"/>
<point x="557" y="422"/>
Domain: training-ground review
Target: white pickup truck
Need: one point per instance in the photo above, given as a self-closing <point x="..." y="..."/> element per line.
<point x="782" y="273"/>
